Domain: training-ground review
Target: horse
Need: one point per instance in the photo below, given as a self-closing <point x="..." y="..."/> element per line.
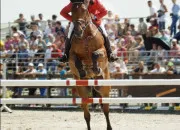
<point x="88" y="58"/>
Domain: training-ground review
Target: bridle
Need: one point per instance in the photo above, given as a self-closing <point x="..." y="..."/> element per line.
<point x="83" y="22"/>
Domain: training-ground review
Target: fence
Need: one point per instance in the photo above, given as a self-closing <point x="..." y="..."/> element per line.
<point x="57" y="83"/>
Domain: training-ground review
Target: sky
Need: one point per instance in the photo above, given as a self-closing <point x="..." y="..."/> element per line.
<point x="10" y="9"/>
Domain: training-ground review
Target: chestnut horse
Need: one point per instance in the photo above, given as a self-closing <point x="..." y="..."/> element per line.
<point x="88" y="58"/>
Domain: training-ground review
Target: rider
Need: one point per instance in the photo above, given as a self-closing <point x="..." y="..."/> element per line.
<point x="97" y="11"/>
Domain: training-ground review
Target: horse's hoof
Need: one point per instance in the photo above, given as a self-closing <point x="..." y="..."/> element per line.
<point x="109" y="128"/>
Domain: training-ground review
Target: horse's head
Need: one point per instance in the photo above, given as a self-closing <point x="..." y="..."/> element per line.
<point x="80" y="16"/>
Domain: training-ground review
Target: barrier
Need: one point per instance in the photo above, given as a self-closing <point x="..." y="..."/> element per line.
<point x="60" y="83"/>
<point x="88" y="100"/>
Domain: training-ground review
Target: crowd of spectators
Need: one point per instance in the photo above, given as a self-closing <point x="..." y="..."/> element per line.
<point x="36" y="46"/>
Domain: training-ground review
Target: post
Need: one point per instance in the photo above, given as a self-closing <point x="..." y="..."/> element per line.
<point x="4" y="107"/>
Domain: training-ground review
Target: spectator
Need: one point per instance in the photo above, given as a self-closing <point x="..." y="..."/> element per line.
<point x="22" y="23"/>
<point x="110" y="18"/>
<point x="48" y="54"/>
<point x="16" y="39"/>
<point x="142" y="28"/>
<point x="126" y="25"/>
<point x="162" y="54"/>
<point x="116" y="19"/>
<point x="16" y="31"/>
<point x="8" y="42"/>
<point x="62" y="72"/>
<point x="165" y="37"/>
<point x="155" y="32"/>
<point x="51" y="38"/>
<point x="30" y="74"/>
<point x="1" y="70"/>
<point x="120" y="69"/>
<point x="62" y="45"/>
<point x="10" y="52"/>
<point x="171" y="70"/>
<point x="35" y="29"/>
<point x="48" y="30"/>
<point x="39" y="56"/>
<point x="33" y="41"/>
<point x="175" y="51"/>
<point x="152" y="57"/>
<point x="133" y="31"/>
<point x="42" y="23"/>
<point x="23" y="41"/>
<point x="59" y="29"/>
<point x="3" y="52"/>
<point x="33" y="18"/>
<point x="41" y="41"/>
<point x="120" y="29"/>
<point x="58" y="40"/>
<point x="54" y="19"/>
<point x="153" y="11"/>
<point x="162" y="15"/>
<point x="42" y="76"/>
<point x="154" y="24"/>
<point x="141" y="69"/>
<point x="31" y="53"/>
<point x="158" y="69"/>
<point x="122" y="51"/>
<point x="23" y="55"/>
<point x="67" y="28"/>
<point x="175" y="16"/>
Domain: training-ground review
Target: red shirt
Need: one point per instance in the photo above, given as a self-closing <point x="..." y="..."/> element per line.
<point x="96" y="9"/>
<point x="56" y="53"/>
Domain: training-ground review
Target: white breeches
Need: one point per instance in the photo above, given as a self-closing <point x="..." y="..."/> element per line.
<point x="72" y="27"/>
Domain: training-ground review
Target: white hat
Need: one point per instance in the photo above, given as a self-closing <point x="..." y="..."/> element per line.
<point x="31" y="64"/>
<point x="15" y="35"/>
<point x="174" y="40"/>
<point x="40" y="65"/>
<point x="49" y="44"/>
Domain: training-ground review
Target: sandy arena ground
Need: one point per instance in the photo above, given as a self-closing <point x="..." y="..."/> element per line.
<point x="61" y="120"/>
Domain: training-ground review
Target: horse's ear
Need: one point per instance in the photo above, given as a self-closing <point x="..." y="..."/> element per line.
<point x="77" y="1"/>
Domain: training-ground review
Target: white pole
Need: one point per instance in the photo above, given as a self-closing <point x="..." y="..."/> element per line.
<point x="95" y="100"/>
<point x="60" y="83"/>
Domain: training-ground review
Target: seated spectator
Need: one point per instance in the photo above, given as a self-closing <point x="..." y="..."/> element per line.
<point x="158" y="69"/>
<point x="162" y="54"/>
<point x="62" y="72"/>
<point x="152" y="57"/>
<point x="39" y="56"/>
<point x="175" y="51"/>
<point x="120" y="69"/>
<point x="55" y="54"/>
<point x="23" y="55"/>
<point x="32" y="51"/>
<point x="165" y="37"/>
<point x="30" y="74"/>
<point x="59" y="29"/>
<point x="48" y="54"/>
<point x="57" y="41"/>
<point x="171" y="70"/>
<point x="122" y="51"/>
<point x="62" y="45"/>
<point x="23" y="41"/>
<point x="33" y="41"/>
<point x="41" y="76"/>
<point x="48" y="30"/>
<point x="141" y="69"/>
<point x="51" y="38"/>
<point x="110" y="18"/>
<point x="1" y="69"/>
<point x="8" y="42"/>
<point x="155" y="32"/>
<point x="120" y="30"/>
<point x="3" y="52"/>
<point x="16" y="39"/>
<point x="15" y="30"/>
<point x="138" y="49"/>
<point x="154" y="24"/>
<point x="133" y="31"/>
<point x="35" y="30"/>
<point x="10" y="52"/>
<point x="41" y="41"/>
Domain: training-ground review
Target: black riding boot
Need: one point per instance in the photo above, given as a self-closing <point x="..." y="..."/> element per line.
<point x="65" y="57"/>
<point x="111" y="57"/>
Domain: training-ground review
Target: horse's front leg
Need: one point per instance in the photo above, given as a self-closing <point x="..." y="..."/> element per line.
<point x="87" y="115"/>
